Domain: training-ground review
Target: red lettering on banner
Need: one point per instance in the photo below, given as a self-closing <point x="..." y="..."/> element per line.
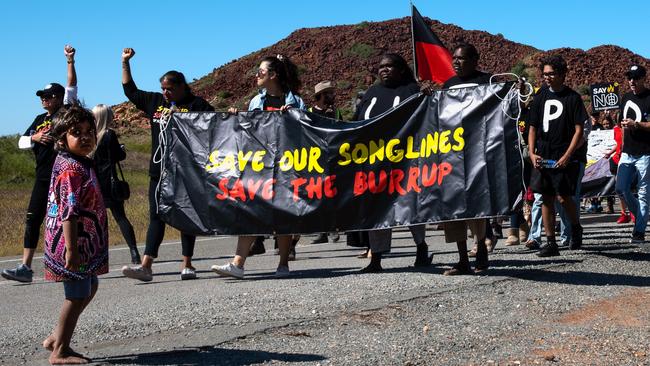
<point x="396" y="177"/>
<point x="429" y="179"/>
<point x="412" y="183"/>
<point x="315" y="188"/>
<point x="253" y="186"/>
<point x="445" y="169"/>
<point x="330" y="189"/>
<point x="267" y="190"/>
<point x="237" y="191"/>
<point x="223" y="186"/>
<point x="379" y="187"/>
<point x="296" y="183"/>
<point x="360" y="183"/>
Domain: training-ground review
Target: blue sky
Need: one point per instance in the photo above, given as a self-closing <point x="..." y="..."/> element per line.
<point x="197" y="36"/>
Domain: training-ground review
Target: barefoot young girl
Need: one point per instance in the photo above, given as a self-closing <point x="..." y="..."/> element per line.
<point x="76" y="234"/>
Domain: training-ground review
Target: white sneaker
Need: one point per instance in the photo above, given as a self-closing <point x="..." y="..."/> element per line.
<point x="282" y="272"/>
<point x="188" y="274"/>
<point x="138" y="273"/>
<point x="229" y="270"/>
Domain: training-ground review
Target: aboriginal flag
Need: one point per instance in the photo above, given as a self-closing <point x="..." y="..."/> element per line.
<point x="432" y="59"/>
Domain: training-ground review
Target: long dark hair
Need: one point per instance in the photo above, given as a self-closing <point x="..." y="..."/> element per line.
<point x="401" y="64"/>
<point x="176" y="78"/>
<point x="286" y="71"/>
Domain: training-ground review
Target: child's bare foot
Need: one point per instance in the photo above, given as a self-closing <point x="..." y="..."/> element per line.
<point x="65" y="358"/>
<point x="48" y="343"/>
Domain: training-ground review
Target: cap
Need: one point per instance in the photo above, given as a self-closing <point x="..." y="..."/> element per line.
<point x="51" y="89"/>
<point x="635" y="72"/>
<point x="323" y="86"/>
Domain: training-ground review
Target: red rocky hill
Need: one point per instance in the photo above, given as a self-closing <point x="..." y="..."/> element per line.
<point x="348" y="54"/>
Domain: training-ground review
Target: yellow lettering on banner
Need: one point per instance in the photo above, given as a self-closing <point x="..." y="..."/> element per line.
<point x="257" y="163"/>
<point x="314" y="154"/>
<point x="377" y="151"/>
<point x="394" y="155"/>
<point x="432" y="144"/>
<point x="343" y="151"/>
<point x="360" y="154"/>
<point x="286" y="162"/>
<point x="458" y="137"/>
<point x="410" y="154"/>
<point x="214" y="163"/>
<point x="242" y="159"/>
<point x="444" y="146"/>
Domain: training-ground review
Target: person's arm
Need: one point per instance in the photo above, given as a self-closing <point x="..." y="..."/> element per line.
<point x="127" y="54"/>
<point x="70" y="234"/>
<point x="70" y="96"/>
<point x="532" y="140"/>
<point x="576" y="142"/>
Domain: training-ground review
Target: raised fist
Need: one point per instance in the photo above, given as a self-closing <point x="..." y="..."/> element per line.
<point x="127" y="54"/>
<point x="69" y="52"/>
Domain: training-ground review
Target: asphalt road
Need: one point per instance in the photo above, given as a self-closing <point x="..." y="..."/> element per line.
<point x="584" y="307"/>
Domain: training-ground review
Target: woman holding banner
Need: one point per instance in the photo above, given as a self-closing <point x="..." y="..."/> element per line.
<point x="396" y="84"/>
<point x="277" y="78"/>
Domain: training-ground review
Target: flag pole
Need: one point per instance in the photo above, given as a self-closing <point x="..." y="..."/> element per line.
<point x="415" y="63"/>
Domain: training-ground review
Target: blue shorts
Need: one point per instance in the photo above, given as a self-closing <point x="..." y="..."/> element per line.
<point x="79" y="289"/>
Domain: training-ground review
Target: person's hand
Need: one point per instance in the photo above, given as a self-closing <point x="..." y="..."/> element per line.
<point x="72" y="260"/>
<point x="563" y="162"/>
<point x="42" y="138"/>
<point x="233" y="110"/>
<point x="628" y="122"/>
<point x="127" y="54"/>
<point x="426" y="87"/>
<point x="536" y="160"/>
<point x="69" y="52"/>
<point x="285" y="108"/>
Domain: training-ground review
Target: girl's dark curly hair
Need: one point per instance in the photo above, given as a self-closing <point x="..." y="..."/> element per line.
<point x="68" y="117"/>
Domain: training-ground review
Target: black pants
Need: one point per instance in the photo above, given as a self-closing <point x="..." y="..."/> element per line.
<point x="117" y="209"/>
<point x="36" y="213"/>
<point x="156" y="230"/>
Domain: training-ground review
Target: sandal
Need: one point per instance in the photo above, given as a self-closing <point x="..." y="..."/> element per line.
<point x="458" y="271"/>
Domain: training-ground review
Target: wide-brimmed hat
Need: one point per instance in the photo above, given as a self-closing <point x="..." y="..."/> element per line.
<point x="323" y="86"/>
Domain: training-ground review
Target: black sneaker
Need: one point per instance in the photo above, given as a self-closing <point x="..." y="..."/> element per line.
<point x="637" y="238"/>
<point x="422" y="258"/>
<point x="549" y="250"/>
<point x="576" y="237"/>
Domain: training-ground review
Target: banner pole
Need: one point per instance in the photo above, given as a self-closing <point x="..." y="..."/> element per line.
<point x="415" y="63"/>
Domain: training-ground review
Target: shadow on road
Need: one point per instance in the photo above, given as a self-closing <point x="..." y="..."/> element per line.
<point x="208" y="355"/>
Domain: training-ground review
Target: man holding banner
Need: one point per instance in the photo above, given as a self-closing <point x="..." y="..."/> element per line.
<point x="635" y="159"/>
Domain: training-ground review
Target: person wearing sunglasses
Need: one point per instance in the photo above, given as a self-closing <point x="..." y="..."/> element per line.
<point x="557" y="121"/>
<point x="37" y="138"/>
<point x="635" y="156"/>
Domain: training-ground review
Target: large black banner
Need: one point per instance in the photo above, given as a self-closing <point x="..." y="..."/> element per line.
<point x="447" y="156"/>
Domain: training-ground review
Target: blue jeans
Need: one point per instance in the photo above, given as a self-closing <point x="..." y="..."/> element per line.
<point x="565" y="222"/>
<point x="535" y="232"/>
<point x="628" y="167"/>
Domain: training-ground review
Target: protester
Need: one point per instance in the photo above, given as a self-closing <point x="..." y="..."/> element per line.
<point x="38" y="139"/>
<point x="465" y="60"/>
<point x="324" y="99"/>
<point x="110" y="152"/>
<point x="177" y="95"/>
<point x="614" y="156"/>
<point x="635" y="157"/>
<point x="278" y="79"/>
<point x="396" y="84"/>
<point x="76" y="234"/>
<point x="557" y="118"/>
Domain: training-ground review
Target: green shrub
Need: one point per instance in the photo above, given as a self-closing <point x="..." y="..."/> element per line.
<point x="362" y="50"/>
<point x="16" y="166"/>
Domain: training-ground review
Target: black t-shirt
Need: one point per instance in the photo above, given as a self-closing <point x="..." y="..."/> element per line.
<point x="380" y="98"/>
<point x="565" y="110"/>
<point x="637" y="108"/>
<point x="273" y="103"/>
<point x="153" y="105"/>
<point x="476" y="78"/>
<point x="107" y="154"/>
<point x="44" y="154"/>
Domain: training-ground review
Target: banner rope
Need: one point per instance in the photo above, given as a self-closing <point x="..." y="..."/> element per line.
<point x="162" y="145"/>
<point x="515" y="93"/>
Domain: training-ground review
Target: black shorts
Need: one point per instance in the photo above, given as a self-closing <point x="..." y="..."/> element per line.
<point x="556" y="182"/>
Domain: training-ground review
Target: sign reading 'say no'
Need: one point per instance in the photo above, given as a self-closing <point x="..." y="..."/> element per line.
<point x="604" y="96"/>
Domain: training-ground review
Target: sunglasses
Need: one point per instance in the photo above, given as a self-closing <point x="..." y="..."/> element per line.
<point x="634" y="78"/>
<point x="549" y="74"/>
<point x="48" y="97"/>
